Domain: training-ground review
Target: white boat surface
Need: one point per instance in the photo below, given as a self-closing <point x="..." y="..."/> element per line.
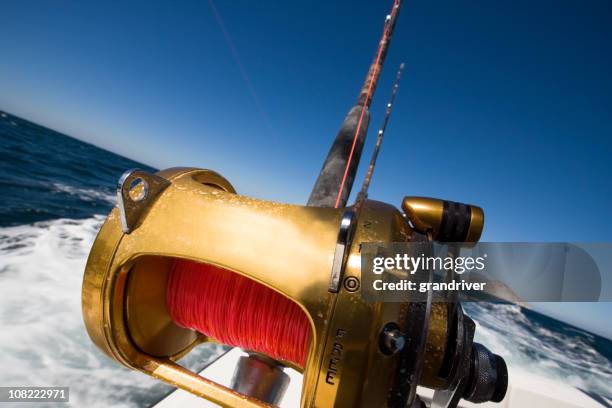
<point x="525" y="390"/>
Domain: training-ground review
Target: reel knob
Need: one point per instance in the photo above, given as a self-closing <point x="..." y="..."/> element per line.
<point x="391" y="340"/>
<point x="488" y="378"/>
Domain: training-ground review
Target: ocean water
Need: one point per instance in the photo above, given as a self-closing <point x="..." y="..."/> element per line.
<point x="56" y="192"/>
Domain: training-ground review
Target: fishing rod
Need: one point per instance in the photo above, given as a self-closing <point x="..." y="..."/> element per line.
<point x="184" y="260"/>
<point x="333" y="185"/>
<point x="363" y="194"/>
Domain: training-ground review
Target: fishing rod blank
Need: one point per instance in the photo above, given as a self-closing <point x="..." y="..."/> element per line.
<point x="333" y="186"/>
<point x="363" y="194"/>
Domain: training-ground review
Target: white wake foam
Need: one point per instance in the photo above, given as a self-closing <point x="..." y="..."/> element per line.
<point x="43" y="341"/>
<point x="505" y="330"/>
<point x="85" y="194"/>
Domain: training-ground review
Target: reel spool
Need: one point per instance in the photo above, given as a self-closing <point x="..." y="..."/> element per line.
<point x="183" y="250"/>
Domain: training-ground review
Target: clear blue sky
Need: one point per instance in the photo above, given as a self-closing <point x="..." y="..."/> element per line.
<point x="505" y="104"/>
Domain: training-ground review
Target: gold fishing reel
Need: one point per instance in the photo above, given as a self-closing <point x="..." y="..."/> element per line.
<point x="360" y="355"/>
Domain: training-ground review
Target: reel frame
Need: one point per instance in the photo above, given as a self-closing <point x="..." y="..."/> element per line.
<point x="196" y="215"/>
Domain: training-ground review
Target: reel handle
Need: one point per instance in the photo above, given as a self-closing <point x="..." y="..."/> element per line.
<point x="446" y="221"/>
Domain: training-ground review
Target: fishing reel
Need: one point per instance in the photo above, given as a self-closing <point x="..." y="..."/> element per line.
<point x="357" y="353"/>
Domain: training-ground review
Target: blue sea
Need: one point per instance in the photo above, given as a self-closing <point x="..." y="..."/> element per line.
<point x="56" y="192"/>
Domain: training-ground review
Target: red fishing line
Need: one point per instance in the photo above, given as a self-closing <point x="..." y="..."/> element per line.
<point x="237" y="311"/>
